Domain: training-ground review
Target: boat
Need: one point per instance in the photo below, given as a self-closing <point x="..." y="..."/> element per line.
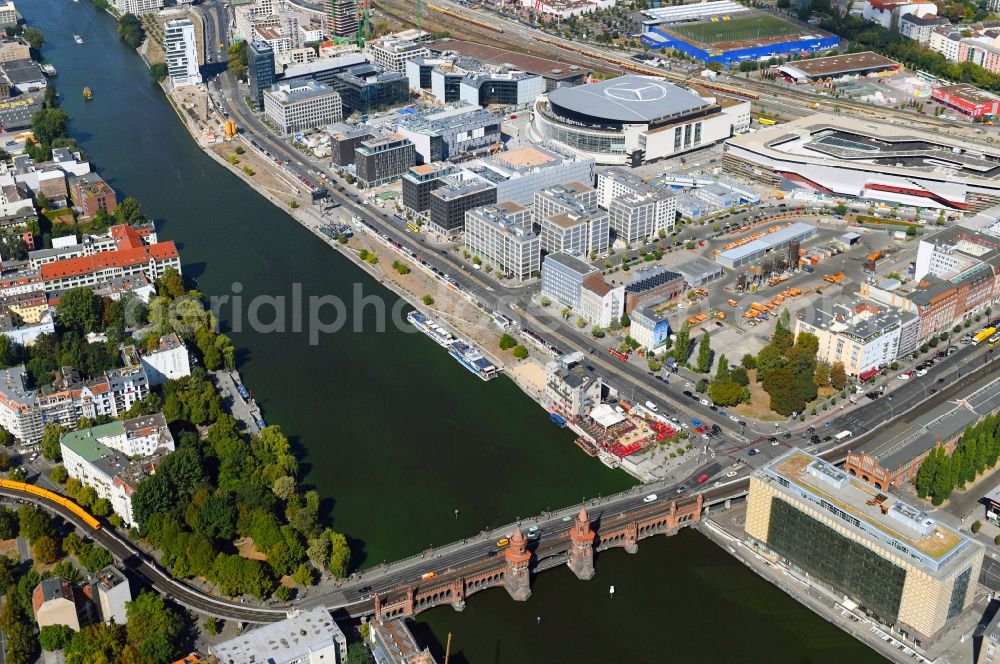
<point x="608" y="459"/>
<point x="441" y="336"/>
<point x="49" y="70"/>
<point x="470" y="358"/>
<point x="87" y="94"/>
<point x="78" y="39"/>
<point x="558" y="419"/>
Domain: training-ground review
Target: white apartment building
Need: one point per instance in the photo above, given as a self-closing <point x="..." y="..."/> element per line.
<point x="860" y="334"/>
<point x="8" y="13"/>
<point x="946" y="40"/>
<point x="104" y="457"/>
<point x="305" y="637"/>
<point x="170" y="361"/>
<point x="18" y="412"/>
<point x="887" y="12"/>
<point x="302" y="106"/>
<point x="392" y="53"/>
<point x="600" y="302"/>
<point x="919" y="28"/>
<point x="182" y="52"/>
<point x="137" y="7"/>
<point x="501" y="236"/>
<point x="112" y="594"/>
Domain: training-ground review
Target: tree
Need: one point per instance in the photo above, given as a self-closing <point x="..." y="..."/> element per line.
<point x="704" y="354"/>
<point x="158" y="70"/>
<point x="340" y="555"/>
<point x="838" y="376"/>
<point x="911" y="231"/>
<point x="925" y="474"/>
<point x="96" y="643"/>
<point x="79" y="309"/>
<point x="45" y="550"/>
<point x="216" y="518"/>
<point x="8" y="524"/>
<point x="822" y="374"/>
<point x="358" y="653"/>
<point x="625" y="321"/>
<point x="54" y="637"/>
<point x="129" y="211"/>
<point x="152" y="627"/>
<point x="34" y="523"/>
<point x="131" y="30"/>
<point x="303" y="576"/>
<point x="507" y="342"/>
<point x="682" y="344"/>
<point x="33" y="37"/>
<point x="520" y="352"/>
<point x="976" y="526"/>
<point x="749" y="362"/>
<point x="59" y="474"/>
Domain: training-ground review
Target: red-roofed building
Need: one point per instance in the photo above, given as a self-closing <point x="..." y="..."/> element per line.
<point x="151" y="260"/>
<point x="887" y="12"/>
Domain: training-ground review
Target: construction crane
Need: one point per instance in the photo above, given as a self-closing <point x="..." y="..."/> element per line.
<point x="364" y="7"/>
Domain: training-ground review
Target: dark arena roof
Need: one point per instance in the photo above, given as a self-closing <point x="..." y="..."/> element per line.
<point x="626" y="99"/>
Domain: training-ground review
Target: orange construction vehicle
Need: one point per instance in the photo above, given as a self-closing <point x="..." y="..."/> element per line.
<point x="834" y="278"/>
<point x="732" y="303"/>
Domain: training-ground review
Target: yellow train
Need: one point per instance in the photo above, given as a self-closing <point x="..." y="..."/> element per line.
<point x="54" y="497"/>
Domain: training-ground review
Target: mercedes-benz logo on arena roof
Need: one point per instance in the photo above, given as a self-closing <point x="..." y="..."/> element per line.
<point x="626" y="99"/>
<point x="633" y="91"/>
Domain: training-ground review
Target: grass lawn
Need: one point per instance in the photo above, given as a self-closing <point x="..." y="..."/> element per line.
<point x="737" y="29"/>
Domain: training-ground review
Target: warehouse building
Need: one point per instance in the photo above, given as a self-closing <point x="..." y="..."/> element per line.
<point x="968" y="100"/>
<point x="893" y="561"/>
<point x="837" y="66"/>
<point x="752" y="252"/>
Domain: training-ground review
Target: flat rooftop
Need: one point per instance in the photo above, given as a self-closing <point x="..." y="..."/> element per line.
<point x="491" y="55"/>
<point x="874" y="514"/>
<point x="968" y="93"/>
<point x="524" y="158"/>
<point x="630" y="98"/>
<point x="842" y="64"/>
<point x="282" y="641"/>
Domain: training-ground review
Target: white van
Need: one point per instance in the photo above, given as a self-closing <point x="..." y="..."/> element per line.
<point x="651" y="406"/>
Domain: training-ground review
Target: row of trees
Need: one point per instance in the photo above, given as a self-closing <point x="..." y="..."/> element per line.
<point x="977" y="450"/>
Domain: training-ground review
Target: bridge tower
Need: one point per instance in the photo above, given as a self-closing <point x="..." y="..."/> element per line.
<point x="581" y="550"/>
<point x="516" y="578"/>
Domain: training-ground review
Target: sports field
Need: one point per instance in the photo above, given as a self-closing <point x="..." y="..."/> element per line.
<point x="745" y="28"/>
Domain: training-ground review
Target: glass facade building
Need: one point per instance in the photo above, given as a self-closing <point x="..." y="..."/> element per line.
<point x="260" y="69"/>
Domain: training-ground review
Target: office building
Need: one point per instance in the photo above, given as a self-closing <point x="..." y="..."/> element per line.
<point x="600" y="302"/>
<point x="633" y="216"/>
<point x="570" y="220"/>
<point x="342" y="18"/>
<point x="504" y="87"/>
<point x="366" y="88"/>
<point x="392" y="54"/>
<point x="181" y="52"/>
<point x="419" y="182"/>
<point x="324" y="70"/>
<point x="13" y="49"/>
<point x="301" y="107"/>
<point x="344" y="139"/>
<point x="857" y="333"/>
<point x="616" y="183"/>
<point x="906" y="569"/>
<point x="501" y="236"/>
<point x="562" y="279"/>
<point x="305" y="637"/>
<point x="456" y="195"/>
<point x="137" y="7"/>
<point x="555" y="73"/>
<point x="260" y="70"/>
<point x="650" y="325"/>
<point x="381" y="160"/>
<point x="989" y="647"/>
<point x="452" y="133"/>
<point x="518" y="174"/>
<point x="91" y="194"/>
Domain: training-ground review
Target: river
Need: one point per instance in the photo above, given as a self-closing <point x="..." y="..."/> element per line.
<point x="392" y="432"/>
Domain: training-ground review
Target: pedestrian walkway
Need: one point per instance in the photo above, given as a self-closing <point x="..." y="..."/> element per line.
<point x="246" y="412"/>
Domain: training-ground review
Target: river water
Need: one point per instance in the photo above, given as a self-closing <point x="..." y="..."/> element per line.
<point x="392" y="432"/>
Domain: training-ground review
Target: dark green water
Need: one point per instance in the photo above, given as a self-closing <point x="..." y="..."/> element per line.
<point x="393" y="433"/>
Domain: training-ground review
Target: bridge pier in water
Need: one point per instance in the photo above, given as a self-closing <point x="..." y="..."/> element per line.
<point x="517" y="579"/>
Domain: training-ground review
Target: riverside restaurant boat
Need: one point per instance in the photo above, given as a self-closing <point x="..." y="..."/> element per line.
<point x="441" y="336"/>
<point x="470" y="358"/>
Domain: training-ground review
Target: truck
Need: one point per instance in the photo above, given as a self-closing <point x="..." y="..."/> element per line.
<point x="834" y="278"/>
<point x="984" y="335"/>
<point x="843" y="435"/>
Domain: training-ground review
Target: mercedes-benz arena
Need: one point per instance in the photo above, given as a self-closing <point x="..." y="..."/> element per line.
<point x="635" y="119"/>
<point x="877" y="162"/>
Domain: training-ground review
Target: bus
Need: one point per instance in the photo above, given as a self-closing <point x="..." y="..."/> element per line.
<point x="994" y="341"/>
<point x="984" y="335"/>
<point x="843" y="435"/>
<point x="618" y="355"/>
<point x="767" y="122"/>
